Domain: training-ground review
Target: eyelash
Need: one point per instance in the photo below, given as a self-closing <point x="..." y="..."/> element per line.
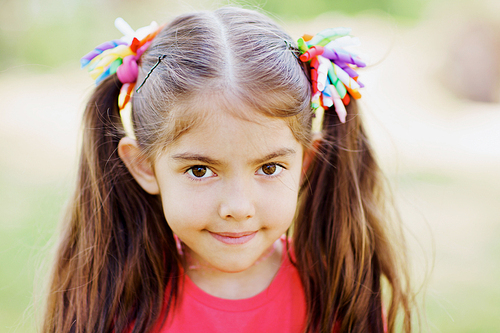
<point x="197" y="179"/>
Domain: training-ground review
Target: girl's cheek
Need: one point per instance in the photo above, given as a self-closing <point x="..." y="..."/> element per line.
<point x="189" y="207"/>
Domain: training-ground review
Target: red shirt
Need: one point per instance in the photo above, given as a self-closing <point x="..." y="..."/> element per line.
<point x="279" y="308"/>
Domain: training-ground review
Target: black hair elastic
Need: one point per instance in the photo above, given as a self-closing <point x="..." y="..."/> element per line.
<point x="160" y="58"/>
<point x="291" y="48"/>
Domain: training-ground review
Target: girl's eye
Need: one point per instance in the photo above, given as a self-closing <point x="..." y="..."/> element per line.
<point x="200" y="171"/>
<point x="270" y="169"/>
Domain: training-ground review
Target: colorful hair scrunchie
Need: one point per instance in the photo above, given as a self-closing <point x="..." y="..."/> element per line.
<point x="120" y="56"/>
<point x="332" y="74"/>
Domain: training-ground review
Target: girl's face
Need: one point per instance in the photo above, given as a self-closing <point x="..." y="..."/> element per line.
<point x="229" y="188"/>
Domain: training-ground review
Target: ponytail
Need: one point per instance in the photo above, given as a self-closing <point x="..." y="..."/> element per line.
<point x="117" y="253"/>
<point x="340" y="238"/>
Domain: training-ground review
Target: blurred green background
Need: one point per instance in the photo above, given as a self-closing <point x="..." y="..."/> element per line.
<point x="431" y="103"/>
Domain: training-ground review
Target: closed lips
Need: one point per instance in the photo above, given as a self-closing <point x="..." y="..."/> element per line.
<point x="233" y="237"/>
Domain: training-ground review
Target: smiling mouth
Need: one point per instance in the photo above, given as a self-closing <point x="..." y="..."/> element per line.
<point x="234" y="237"/>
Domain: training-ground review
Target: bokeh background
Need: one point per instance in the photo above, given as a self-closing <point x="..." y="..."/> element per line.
<point x="431" y="102"/>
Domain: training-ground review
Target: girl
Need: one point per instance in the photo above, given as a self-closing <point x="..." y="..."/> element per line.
<point x="198" y="155"/>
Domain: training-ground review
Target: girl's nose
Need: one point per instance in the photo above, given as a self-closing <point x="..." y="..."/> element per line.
<point x="237" y="203"/>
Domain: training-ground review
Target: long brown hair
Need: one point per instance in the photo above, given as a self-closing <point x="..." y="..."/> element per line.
<point x="345" y="241"/>
<point x="117" y="265"/>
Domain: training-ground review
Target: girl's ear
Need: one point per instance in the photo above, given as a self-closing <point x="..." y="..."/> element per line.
<point x="138" y="165"/>
<point x="310" y="154"/>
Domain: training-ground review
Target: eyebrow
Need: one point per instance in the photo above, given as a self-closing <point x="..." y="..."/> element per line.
<point x="196" y="157"/>
<point x="284" y="152"/>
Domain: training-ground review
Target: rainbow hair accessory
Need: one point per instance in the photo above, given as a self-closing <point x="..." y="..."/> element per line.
<point x="334" y="80"/>
<point x="121" y="56"/>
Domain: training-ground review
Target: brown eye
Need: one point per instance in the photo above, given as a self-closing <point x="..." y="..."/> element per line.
<point x="200" y="171"/>
<point x="270" y="169"/>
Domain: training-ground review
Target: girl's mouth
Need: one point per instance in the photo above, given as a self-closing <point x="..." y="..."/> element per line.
<point x="234" y="237"/>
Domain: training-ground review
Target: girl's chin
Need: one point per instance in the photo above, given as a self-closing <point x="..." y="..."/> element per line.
<point x="232" y="263"/>
<point x="228" y="266"/>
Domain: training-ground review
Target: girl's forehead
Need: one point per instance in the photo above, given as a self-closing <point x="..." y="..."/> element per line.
<point x="234" y="122"/>
<point x="210" y="112"/>
<point x="229" y="139"/>
<point x="216" y="107"/>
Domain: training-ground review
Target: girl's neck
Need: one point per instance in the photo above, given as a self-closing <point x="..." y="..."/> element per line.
<point x="245" y="284"/>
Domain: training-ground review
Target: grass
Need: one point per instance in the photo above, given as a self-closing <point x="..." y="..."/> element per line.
<point x="459" y="212"/>
<point x="29" y="218"/>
